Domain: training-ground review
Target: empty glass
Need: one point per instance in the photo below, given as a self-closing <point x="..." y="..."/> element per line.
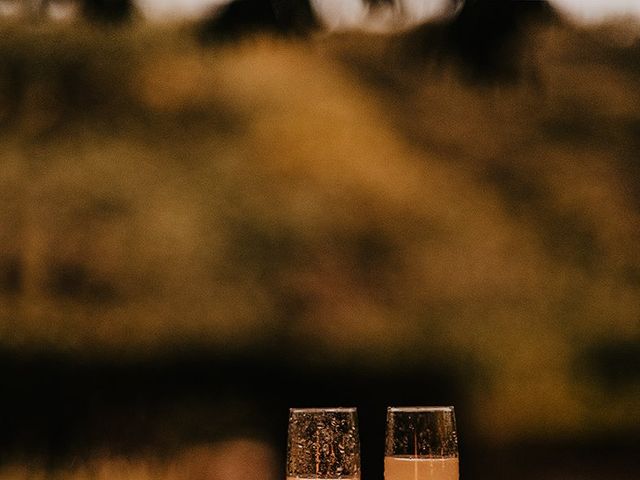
<point x="323" y="443"/>
<point x="421" y="444"/>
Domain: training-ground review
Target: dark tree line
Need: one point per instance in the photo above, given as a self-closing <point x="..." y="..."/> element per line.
<point x="487" y="37"/>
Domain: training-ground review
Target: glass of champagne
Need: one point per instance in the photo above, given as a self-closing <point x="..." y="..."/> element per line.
<point x="323" y="443"/>
<point x="421" y="444"/>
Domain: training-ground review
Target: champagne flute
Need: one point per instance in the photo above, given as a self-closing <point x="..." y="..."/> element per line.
<point x="421" y="444"/>
<point x="323" y="443"/>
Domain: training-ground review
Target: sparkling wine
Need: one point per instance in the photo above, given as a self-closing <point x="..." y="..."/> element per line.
<point x="420" y="468"/>
<point x="322" y="478"/>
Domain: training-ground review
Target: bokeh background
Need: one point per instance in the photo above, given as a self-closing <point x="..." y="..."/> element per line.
<point x="195" y="238"/>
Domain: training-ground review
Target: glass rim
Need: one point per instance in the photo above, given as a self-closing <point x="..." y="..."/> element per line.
<point x="322" y="409"/>
<point x="414" y="409"/>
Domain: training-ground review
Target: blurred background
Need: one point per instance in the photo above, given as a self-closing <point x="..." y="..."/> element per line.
<point x="195" y="237"/>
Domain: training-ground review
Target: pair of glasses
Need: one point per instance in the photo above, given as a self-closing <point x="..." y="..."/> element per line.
<point x="420" y="444"/>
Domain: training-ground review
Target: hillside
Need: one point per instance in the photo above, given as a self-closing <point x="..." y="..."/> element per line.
<point x="335" y="201"/>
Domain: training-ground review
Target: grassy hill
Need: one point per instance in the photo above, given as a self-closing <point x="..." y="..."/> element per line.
<point x="336" y="201"/>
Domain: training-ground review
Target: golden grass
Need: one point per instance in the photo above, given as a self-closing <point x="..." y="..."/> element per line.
<point x="180" y="197"/>
<point x="221" y="461"/>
